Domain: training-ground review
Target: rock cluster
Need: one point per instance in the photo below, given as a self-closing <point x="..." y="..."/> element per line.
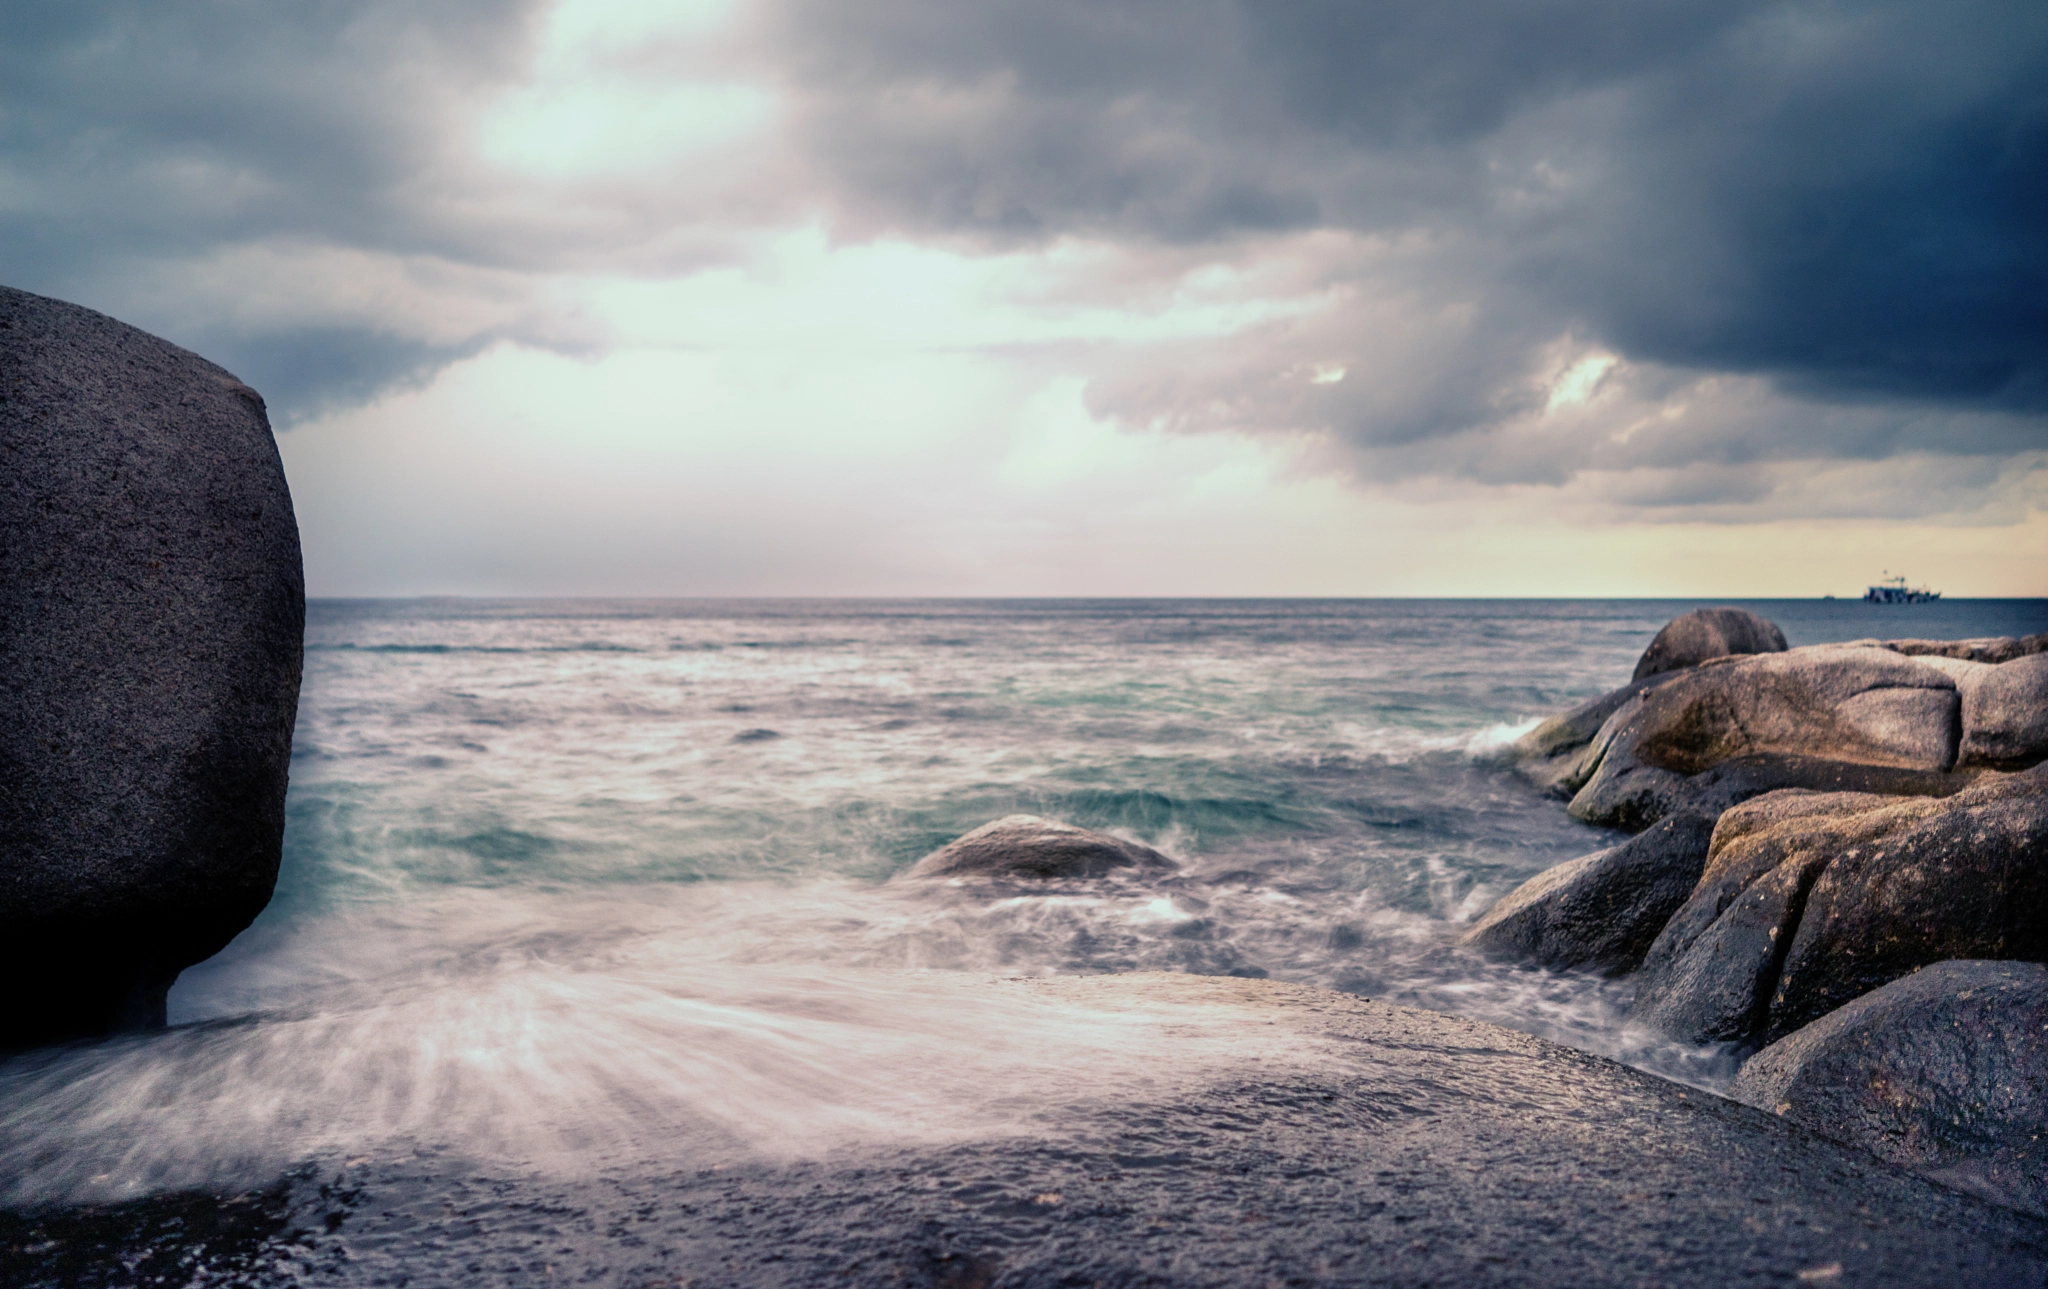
<point x="150" y="583"/>
<point x="1829" y="839"/>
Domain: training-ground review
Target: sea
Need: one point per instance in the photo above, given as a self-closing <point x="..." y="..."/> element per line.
<point x="571" y="882"/>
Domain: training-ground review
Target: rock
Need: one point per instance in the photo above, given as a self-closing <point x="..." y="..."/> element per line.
<point x="2005" y="713"/>
<point x="1705" y="634"/>
<point x="1943" y="1072"/>
<point x="1603" y="910"/>
<point x="1026" y="846"/>
<point x="151" y="583"/>
<point x="1966" y="877"/>
<point x="1632" y="799"/>
<point x="1785" y="716"/>
<point x="1709" y="974"/>
<point x="1988" y="649"/>
<point x="1342" y="1142"/>
<point x="1560" y="754"/>
<point x="1812" y="899"/>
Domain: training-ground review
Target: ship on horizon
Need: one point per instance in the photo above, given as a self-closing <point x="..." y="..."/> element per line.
<point x="1893" y="590"/>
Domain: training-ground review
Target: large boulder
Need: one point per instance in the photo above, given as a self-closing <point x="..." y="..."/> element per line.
<point x="1943" y="1072"/>
<point x="1032" y="848"/>
<point x="1600" y="911"/>
<point x="1790" y="719"/>
<point x="151" y="584"/>
<point x="1705" y="634"/>
<point x="1562" y="752"/>
<point x="2005" y="712"/>
<point x="1812" y="899"/>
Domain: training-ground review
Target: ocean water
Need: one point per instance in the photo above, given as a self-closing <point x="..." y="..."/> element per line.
<point x="568" y="883"/>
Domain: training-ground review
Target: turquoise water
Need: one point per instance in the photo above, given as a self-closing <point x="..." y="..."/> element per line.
<point x="590" y="876"/>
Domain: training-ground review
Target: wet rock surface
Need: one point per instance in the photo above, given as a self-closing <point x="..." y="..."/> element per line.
<point x="1030" y="848"/>
<point x="1601" y="911"/>
<point x="1705" y="634"/>
<point x="150" y="581"/>
<point x="1819" y="705"/>
<point x="1812" y="899"/>
<point x="2005" y="712"/>
<point x="1709" y="975"/>
<point x="1944" y="1072"/>
<point x="1967" y="878"/>
<point x="1424" y="1150"/>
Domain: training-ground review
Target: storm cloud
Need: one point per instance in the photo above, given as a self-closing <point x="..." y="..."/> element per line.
<point x="1841" y="202"/>
<point x="1661" y="250"/>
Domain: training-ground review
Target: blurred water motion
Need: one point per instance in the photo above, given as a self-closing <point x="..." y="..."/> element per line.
<point x="572" y="884"/>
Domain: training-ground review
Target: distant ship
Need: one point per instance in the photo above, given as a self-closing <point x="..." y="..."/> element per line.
<point x="1893" y="590"/>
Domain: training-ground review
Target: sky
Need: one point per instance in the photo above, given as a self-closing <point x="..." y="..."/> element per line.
<point x="1083" y="297"/>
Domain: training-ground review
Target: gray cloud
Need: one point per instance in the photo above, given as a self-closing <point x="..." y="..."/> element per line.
<point x="1810" y="230"/>
<point x="137" y="137"/>
<point x="1843" y="201"/>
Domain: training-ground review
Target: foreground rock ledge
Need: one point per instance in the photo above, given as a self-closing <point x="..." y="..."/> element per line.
<point x="150" y="583"/>
<point x="1351" y="1143"/>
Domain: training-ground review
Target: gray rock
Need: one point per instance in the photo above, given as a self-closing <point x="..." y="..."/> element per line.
<point x="2005" y="713"/>
<point x="1560" y="754"/>
<point x="1026" y="846"/>
<point x="151" y="585"/>
<point x="1987" y="649"/>
<point x="1634" y="797"/>
<point x="1943" y="1072"/>
<point x="1705" y="634"/>
<point x="1784" y="716"/>
<point x="1709" y="974"/>
<point x="1603" y="910"/>
<point x="1810" y="900"/>
<point x="1966" y="877"/>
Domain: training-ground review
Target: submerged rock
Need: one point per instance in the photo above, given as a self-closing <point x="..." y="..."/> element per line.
<point x="1705" y="634"/>
<point x="1027" y="846"/>
<point x="1943" y="1072"/>
<point x="150" y="582"/>
<point x="1812" y="899"/>
<point x="1603" y="910"/>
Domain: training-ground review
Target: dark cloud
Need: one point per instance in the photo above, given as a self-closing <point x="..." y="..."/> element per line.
<point x="135" y="135"/>
<point x="1843" y="200"/>
<point x="1812" y="230"/>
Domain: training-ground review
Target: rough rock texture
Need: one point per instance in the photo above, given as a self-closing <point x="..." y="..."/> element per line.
<point x="1786" y="719"/>
<point x="1635" y="797"/>
<point x="1989" y="649"/>
<point x="1704" y="634"/>
<point x="1812" y="899"/>
<point x="150" y="582"/>
<point x="1026" y="846"/>
<point x="2005" y="713"/>
<point x="1603" y="910"/>
<point x="1965" y="879"/>
<point x="1944" y="1072"/>
<point x="1560" y="754"/>
<point x="1358" y="1144"/>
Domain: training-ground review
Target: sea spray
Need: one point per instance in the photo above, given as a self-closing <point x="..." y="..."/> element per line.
<point x="543" y="904"/>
